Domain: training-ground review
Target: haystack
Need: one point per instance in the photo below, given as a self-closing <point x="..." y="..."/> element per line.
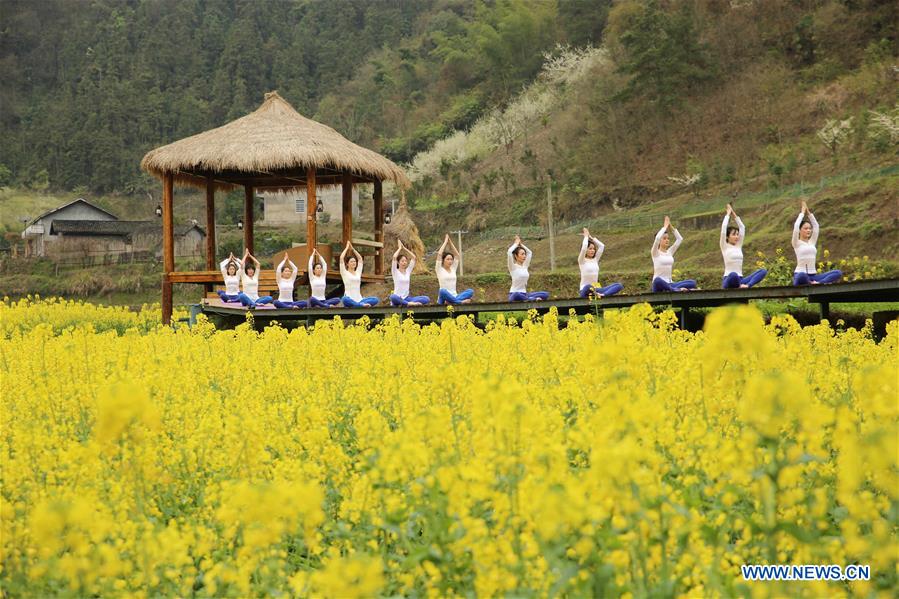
<point x="402" y="226"/>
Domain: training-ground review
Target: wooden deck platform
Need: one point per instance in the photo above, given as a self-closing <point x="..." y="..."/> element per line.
<point x="885" y="290"/>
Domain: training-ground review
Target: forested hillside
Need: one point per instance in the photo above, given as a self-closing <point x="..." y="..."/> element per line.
<point x="90" y="86"/>
<point x="682" y="98"/>
<point x="614" y="105"/>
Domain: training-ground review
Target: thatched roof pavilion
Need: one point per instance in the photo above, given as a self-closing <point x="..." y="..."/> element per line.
<point x="270" y="147"/>
<point x="274" y="147"/>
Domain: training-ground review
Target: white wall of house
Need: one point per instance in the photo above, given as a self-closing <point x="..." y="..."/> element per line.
<point x="283" y="208"/>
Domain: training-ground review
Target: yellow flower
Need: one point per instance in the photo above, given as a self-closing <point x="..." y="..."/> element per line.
<point x="608" y="456"/>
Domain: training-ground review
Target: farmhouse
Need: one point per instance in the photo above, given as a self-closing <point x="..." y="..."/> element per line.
<point x="82" y="232"/>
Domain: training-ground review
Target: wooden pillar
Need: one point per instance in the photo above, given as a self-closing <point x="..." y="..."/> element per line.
<point x="168" y="245"/>
<point x="248" y="217"/>
<point x="311" y="209"/>
<point x="379" y="227"/>
<point x="210" y="229"/>
<point x="347" y="206"/>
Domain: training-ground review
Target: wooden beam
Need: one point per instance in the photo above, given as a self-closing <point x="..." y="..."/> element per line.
<point x="347" y="208"/>
<point x="214" y="277"/>
<point x="248" y="217"/>
<point x="168" y="245"/>
<point x="378" y="196"/>
<point x="210" y="226"/>
<point x="296" y="177"/>
<point x="311" y="209"/>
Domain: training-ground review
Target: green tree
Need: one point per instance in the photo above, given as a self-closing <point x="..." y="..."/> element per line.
<point x="664" y="58"/>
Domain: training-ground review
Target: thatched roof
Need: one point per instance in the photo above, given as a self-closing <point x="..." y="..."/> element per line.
<point x="274" y="142"/>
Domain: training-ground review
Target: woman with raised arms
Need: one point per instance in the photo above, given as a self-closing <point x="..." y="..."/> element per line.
<point x="731" y="243"/>
<point x="286" y="273"/>
<point x="588" y="262"/>
<point x="805" y="238"/>
<point x="518" y="259"/>
<point x="663" y="261"/>
<point x="318" y="282"/>
<point x="401" y="268"/>
<point x="351" y="273"/>
<point x="249" y="279"/>
<point x="231" y="271"/>
<point x="447" y="263"/>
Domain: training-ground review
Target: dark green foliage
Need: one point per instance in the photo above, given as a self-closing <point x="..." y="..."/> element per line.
<point x="89" y="87"/>
<point x="665" y="58"/>
<point x="583" y="20"/>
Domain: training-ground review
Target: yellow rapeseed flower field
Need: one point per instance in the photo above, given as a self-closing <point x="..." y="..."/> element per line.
<point x="603" y="458"/>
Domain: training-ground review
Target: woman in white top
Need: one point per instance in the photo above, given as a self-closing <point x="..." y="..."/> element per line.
<point x="663" y="261"/>
<point x="731" y="243"/>
<point x="286" y="273"/>
<point x="351" y="273"/>
<point x="318" y="282"/>
<point x="447" y="263"/>
<point x="401" y="268"/>
<point x="231" y="270"/>
<point x="805" y="236"/>
<point x="588" y="262"/>
<point x="518" y="259"/>
<point x="249" y="279"/>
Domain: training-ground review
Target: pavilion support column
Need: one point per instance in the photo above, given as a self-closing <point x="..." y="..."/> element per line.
<point x="379" y="227"/>
<point x="168" y="245"/>
<point x="210" y="229"/>
<point x="347" y="208"/>
<point x="311" y="209"/>
<point x="248" y="217"/>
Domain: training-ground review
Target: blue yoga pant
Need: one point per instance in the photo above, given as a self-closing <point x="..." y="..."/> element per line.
<point x="831" y="276"/>
<point x="349" y="302"/>
<point x="605" y="291"/>
<point x="246" y="301"/>
<point x="445" y="297"/>
<point x="733" y="281"/>
<point x="659" y="284"/>
<point x="314" y="302"/>
<point x="396" y="300"/>
<point x="228" y="298"/>
<point x="282" y="305"/>
<point x="533" y="296"/>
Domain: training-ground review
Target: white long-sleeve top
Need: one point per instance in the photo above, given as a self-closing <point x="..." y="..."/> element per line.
<point x="317" y="285"/>
<point x="401" y="280"/>
<point x="232" y="282"/>
<point x="589" y="266"/>
<point x="352" y="280"/>
<point x="285" y="286"/>
<point x="250" y="284"/>
<point x="732" y="253"/>
<point x="663" y="261"/>
<point x="806" y="252"/>
<point x="446" y="278"/>
<point x="519" y="272"/>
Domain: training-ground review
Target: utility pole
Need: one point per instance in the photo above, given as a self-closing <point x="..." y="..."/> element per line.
<point x="459" y="239"/>
<point x="552" y="237"/>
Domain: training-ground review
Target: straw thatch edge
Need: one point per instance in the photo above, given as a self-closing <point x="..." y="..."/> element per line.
<point x="330" y="150"/>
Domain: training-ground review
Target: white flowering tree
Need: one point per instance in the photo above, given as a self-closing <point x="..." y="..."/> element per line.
<point x="834" y="133"/>
<point x="884" y="125"/>
<point x="562" y="68"/>
<point x="689" y="181"/>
